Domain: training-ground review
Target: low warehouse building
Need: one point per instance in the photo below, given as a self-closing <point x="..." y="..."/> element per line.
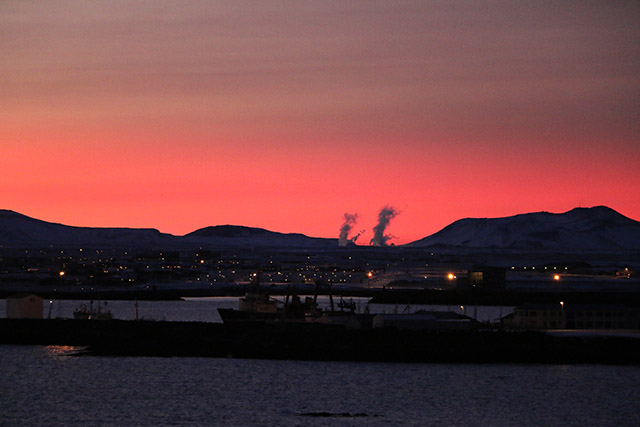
<point x="24" y="306"/>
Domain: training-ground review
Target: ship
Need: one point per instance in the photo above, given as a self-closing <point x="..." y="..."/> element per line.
<point x="260" y="306"/>
<point x="90" y="313"/>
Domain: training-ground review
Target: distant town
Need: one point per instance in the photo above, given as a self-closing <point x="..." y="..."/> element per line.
<point x="72" y="273"/>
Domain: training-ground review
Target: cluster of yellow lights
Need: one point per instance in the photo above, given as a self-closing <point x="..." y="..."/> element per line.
<point x="451" y="276"/>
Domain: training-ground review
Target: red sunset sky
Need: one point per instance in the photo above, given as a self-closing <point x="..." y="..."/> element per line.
<point x="287" y="114"/>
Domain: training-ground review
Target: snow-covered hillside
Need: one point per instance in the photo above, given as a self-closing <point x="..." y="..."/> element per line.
<point x="240" y="236"/>
<point x="17" y="230"/>
<point x="582" y="229"/>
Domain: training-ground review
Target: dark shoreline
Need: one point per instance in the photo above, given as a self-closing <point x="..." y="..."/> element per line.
<point x="505" y="298"/>
<point x="377" y="295"/>
<point x="317" y="342"/>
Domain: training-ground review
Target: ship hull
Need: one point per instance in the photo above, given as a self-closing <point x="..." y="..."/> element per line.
<point x="230" y="315"/>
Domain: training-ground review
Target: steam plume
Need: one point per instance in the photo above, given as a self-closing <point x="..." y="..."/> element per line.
<point x="386" y="214"/>
<point x="349" y="221"/>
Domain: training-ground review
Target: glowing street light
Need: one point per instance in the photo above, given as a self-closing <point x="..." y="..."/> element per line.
<point x="556" y="277"/>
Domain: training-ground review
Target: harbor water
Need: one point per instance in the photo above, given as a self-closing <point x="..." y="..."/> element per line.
<point x="206" y="309"/>
<point x="44" y="385"/>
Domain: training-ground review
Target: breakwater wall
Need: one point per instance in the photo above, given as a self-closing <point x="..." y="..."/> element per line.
<point x="316" y="342"/>
<point x="504" y="298"/>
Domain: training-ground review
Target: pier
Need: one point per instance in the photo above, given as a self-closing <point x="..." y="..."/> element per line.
<point x="318" y="342"/>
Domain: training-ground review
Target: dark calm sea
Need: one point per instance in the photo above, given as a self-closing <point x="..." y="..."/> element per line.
<point x="44" y="386"/>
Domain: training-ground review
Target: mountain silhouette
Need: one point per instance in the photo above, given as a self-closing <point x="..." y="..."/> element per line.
<point x="581" y="229"/>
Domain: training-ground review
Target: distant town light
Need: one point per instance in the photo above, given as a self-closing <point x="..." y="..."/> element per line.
<point x="451" y="276"/>
<point x="61" y="273"/>
<point x="556" y="277"/>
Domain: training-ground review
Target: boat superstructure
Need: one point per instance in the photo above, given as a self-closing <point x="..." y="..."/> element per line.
<point x="100" y="312"/>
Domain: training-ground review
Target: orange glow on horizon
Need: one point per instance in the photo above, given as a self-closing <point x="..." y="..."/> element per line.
<point x="186" y="187"/>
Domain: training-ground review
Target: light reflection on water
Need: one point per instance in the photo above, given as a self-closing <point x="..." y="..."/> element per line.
<point x="64" y="350"/>
<point x="44" y="386"/>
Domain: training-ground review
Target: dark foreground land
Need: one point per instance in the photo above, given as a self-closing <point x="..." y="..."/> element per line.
<point x="317" y="342"/>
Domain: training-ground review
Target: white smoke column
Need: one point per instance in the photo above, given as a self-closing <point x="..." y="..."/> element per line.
<point x="349" y="221"/>
<point x="384" y="217"/>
